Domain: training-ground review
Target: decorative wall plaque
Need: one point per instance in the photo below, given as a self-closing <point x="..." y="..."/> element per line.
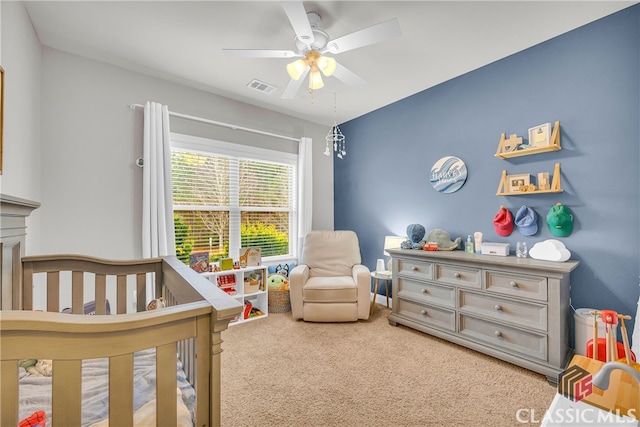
<point x="448" y="174"/>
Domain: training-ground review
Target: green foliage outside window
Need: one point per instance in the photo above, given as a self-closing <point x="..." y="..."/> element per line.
<point x="265" y="236"/>
<point x="184" y="243"/>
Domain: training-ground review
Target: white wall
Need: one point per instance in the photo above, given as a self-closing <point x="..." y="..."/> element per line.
<point x="85" y="177"/>
<point x="21" y="60"/>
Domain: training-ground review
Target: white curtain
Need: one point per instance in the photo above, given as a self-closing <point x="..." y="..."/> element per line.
<point x="158" y="237"/>
<point x="305" y="191"/>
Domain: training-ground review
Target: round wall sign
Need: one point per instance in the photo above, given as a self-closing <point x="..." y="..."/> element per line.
<point x="448" y="174"/>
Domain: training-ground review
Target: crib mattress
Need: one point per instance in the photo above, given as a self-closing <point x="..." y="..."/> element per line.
<point x="35" y="391"/>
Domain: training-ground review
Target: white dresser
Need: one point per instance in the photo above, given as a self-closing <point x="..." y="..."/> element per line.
<point x="514" y="309"/>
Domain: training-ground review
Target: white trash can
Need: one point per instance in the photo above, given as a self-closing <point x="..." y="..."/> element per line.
<point x="583" y="323"/>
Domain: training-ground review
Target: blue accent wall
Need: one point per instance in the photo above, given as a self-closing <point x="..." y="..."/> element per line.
<point x="589" y="80"/>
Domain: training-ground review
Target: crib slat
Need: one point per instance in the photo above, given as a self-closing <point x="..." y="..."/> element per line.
<point x="101" y="294"/>
<point x="141" y="283"/>
<point x="9" y="392"/>
<point x="122" y="294"/>
<point x="166" y="383"/>
<point x="158" y="280"/>
<point x="66" y="390"/>
<point x="27" y="289"/>
<point x="121" y="390"/>
<point x="16" y="267"/>
<point x="53" y="291"/>
<point x="77" y="292"/>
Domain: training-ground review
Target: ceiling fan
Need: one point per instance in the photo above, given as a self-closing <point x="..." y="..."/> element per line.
<point x="311" y="46"/>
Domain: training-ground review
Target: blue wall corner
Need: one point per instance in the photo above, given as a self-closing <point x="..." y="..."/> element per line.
<point x="589" y="80"/>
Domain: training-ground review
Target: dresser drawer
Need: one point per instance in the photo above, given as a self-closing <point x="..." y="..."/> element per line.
<point x="458" y="276"/>
<point x="516" y="285"/>
<point x="510" y="339"/>
<point x="428" y="292"/>
<point x="415" y="269"/>
<point x="428" y="315"/>
<point x="525" y="314"/>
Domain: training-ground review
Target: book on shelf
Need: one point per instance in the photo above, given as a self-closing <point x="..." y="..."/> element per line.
<point x="199" y="261"/>
<point x="250" y="257"/>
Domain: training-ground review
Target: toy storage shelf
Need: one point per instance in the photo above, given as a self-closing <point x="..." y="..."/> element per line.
<point x="248" y="284"/>
<point x="503" y="187"/>
<point x="554" y="145"/>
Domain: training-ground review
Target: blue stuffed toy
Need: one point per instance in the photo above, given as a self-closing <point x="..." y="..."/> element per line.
<point x="415" y="233"/>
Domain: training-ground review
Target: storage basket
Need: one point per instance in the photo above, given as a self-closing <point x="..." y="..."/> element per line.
<point x="251" y="286"/>
<point x="279" y="301"/>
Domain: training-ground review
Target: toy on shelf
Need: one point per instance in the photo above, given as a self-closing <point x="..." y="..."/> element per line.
<point x="608" y="349"/>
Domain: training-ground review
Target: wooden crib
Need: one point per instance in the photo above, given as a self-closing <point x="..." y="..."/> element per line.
<point x="187" y="329"/>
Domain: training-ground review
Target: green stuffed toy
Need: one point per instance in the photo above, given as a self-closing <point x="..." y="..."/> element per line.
<point x="278" y="281"/>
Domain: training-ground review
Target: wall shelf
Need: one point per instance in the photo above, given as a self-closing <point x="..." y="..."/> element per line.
<point x="554" y="188"/>
<point x="505" y="144"/>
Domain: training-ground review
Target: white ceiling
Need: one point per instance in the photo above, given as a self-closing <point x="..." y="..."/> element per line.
<point x="183" y="42"/>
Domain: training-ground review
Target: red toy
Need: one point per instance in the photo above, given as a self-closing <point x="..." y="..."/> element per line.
<point x="37" y="419"/>
<point x="607" y="348"/>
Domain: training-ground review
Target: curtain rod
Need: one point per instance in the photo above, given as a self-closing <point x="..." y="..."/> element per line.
<point x="227" y="125"/>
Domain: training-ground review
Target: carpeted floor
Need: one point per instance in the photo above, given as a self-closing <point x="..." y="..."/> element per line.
<point x="280" y="372"/>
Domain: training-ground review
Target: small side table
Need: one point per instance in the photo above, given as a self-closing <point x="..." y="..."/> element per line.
<point x="380" y="275"/>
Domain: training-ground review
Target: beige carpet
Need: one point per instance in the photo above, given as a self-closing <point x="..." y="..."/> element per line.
<point x="280" y="372"/>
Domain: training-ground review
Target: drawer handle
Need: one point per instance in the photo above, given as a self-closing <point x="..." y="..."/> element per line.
<point x="514" y="285"/>
<point x="414" y="268"/>
<point x="457" y="275"/>
<point x="425" y="291"/>
<point x="497" y="307"/>
<point x="498" y="334"/>
<point x="423" y="312"/>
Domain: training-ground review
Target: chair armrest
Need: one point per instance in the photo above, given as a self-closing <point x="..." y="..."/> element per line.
<point x="297" y="278"/>
<point x="362" y="277"/>
<point x="361" y="273"/>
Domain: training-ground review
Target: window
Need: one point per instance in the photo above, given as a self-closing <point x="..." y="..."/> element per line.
<point x="228" y="196"/>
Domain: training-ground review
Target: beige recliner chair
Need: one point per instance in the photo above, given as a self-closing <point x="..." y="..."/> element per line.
<point x="330" y="284"/>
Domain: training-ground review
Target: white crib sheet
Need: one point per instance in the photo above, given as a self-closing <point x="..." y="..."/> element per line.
<point x="35" y="391"/>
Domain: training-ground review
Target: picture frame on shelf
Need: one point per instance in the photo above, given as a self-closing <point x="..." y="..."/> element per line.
<point x="540" y="136"/>
<point x="544" y="182"/>
<point x="516" y="182"/>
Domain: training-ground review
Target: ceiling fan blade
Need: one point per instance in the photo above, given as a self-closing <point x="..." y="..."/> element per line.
<point x="260" y="53"/>
<point x="294" y="85"/>
<point x="370" y="35"/>
<point x="349" y="77"/>
<point x="299" y="21"/>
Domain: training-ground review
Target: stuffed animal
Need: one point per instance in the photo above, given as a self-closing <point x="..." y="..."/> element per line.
<point x="415" y="233"/>
<point x="278" y="281"/>
<point x="443" y="240"/>
<point x="156" y="304"/>
<point x="284" y="270"/>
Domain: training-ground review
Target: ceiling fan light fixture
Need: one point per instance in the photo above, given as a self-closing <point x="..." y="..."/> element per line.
<point x="296" y="68"/>
<point x="315" y="80"/>
<point x="327" y="65"/>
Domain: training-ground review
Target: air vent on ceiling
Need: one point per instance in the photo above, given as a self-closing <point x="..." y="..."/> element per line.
<point x="261" y="86"/>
